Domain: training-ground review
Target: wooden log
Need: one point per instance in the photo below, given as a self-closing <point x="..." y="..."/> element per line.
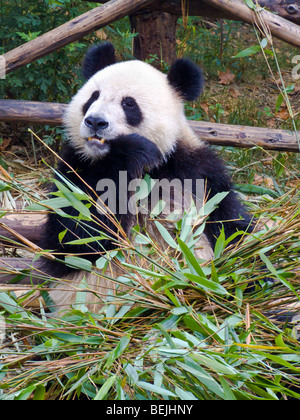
<point x="288" y="9"/>
<point x="219" y="134"/>
<point x="10" y="271"/>
<point x="26" y="224"/>
<point x="116" y="9"/>
<point x="279" y="27"/>
<point x="31" y="112"/>
<point x="71" y="31"/>
<point x="247" y="137"/>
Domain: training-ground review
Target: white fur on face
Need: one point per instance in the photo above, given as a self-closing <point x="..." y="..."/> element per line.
<point x="162" y="109"/>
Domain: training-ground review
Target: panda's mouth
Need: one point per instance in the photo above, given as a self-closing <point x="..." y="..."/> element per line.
<point x="96" y="142"/>
<point x="96" y="147"/>
<point x="100" y="140"/>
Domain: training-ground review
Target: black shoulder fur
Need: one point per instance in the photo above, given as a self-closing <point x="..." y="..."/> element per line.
<point x="204" y="163"/>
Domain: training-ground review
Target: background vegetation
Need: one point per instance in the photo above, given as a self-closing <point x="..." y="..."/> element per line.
<point x="220" y="330"/>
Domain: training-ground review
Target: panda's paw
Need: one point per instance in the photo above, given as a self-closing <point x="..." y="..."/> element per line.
<point x="143" y="151"/>
<point x="147" y="150"/>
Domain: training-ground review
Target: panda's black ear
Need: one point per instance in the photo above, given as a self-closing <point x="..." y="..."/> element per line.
<point x="187" y="79"/>
<point x="97" y="58"/>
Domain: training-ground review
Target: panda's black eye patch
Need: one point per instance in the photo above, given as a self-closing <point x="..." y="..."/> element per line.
<point x="95" y="96"/>
<point x="132" y="111"/>
<point x="128" y="102"/>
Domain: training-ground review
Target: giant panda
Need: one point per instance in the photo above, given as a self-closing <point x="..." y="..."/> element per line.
<point x="130" y="118"/>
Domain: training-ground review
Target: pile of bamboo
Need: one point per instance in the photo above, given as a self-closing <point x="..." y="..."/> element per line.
<point x="25" y="228"/>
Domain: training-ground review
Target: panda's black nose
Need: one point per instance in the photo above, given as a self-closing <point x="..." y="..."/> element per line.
<point x="96" y="123"/>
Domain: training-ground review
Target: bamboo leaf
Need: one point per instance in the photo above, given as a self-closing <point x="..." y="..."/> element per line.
<point x="106" y="387"/>
<point x="191" y="259"/>
<point x="11" y="306"/>
<point x="85" y="241"/>
<point x="122" y="345"/>
<point x="78" y="263"/>
<point x="277" y="275"/>
<point x="220" y="244"/>
<point x="73" y="200"/>
<point x="255" y="189"/>
<point x="250" y="4"/>
<point x="207" y="285"/>
<point x="213" y="203"/>
<point x="166" y="235"/>
<point x="248" y="52"/>
<point x="155" y="389"/>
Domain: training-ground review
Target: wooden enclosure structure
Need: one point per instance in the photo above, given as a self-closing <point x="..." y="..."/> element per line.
<point x="284" y="24"/>
<point x="217" y="134"/>
<point x="113" y="10"/>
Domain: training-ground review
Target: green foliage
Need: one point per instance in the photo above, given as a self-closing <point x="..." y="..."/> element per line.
<point x="219" y="46"/>
<point x="56" y="77"/>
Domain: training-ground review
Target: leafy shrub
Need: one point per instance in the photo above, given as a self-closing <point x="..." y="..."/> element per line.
<point x="55" y="77"/>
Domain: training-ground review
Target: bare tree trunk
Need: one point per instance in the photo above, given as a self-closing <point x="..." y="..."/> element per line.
<point x="156" y="40"/>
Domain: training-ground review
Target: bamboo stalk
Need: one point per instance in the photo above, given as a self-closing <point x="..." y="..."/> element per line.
<point x="71" y="31"/>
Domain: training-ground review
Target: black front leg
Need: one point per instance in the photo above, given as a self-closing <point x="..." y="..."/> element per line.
<point x="132" y="155"/>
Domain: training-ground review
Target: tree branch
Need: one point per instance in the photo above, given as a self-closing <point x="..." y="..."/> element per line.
<point x="279" y="27"/>
<point x="71" y="31"/>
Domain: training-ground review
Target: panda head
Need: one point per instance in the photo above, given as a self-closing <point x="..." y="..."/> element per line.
<point x="129" y="97"/>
